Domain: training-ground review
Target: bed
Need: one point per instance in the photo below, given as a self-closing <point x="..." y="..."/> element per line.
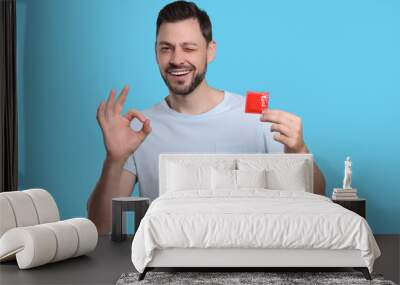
<point x="244" y="211"/>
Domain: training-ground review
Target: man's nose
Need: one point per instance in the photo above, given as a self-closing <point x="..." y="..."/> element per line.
<point x="177" y="58"/>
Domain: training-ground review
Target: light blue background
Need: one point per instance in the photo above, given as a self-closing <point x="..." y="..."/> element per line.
<point x="334" y="63"/>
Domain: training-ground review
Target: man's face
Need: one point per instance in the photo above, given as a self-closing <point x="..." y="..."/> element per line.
<point x="182" y="55"/>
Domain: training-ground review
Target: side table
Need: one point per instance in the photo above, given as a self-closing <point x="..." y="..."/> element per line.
<point x="120" y="206"/>
<point x="357" y="205"/>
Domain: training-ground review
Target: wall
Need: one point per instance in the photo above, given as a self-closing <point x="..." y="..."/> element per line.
<point x="334" y="63"/>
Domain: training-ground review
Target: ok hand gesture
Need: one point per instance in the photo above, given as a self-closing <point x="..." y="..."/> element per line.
<point x="120" y="139"/>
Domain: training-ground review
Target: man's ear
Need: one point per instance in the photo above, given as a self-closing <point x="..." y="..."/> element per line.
<point x="211" y="51"/>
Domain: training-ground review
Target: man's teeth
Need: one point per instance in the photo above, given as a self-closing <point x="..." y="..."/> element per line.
<point x="179" y="72"/>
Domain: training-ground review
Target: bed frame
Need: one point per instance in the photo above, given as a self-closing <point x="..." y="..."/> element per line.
<point x="248" y="259"/>
<point x="261" y="259"/>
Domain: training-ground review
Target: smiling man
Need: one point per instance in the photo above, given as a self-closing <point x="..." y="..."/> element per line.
<point x="194" y="117"/>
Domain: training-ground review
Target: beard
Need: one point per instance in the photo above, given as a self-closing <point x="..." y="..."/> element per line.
<point x="180" y="88"/>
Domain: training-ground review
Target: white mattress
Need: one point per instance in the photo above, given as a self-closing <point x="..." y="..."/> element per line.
<point x="252" y="218"/>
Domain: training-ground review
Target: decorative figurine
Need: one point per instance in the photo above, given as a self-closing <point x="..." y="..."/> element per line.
<point x="347" y="174"/>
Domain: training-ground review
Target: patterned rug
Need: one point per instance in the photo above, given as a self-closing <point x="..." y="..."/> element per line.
<point x="243" y="278"/>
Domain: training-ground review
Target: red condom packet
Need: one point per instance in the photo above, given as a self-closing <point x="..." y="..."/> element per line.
<point x="256" y="102"/>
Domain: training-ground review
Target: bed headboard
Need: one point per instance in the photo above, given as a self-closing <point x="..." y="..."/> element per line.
<point x="282" y="163"/>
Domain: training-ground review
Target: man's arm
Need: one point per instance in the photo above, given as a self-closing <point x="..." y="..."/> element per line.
<point x="120" y="141"/>
<point x="319" y="180"/>
<point x="114" y="182"/>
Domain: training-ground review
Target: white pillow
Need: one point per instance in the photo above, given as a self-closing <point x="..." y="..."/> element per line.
<point x="251" y="178"/>
<point x="281" y="174"/>
<point x="289" y="179"/>
<point x="223" y="179"/>
<point x="188" y="177"/>
<point x="237" y="179"/>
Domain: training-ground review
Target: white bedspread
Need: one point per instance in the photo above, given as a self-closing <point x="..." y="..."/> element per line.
<point x="250" y="218"/>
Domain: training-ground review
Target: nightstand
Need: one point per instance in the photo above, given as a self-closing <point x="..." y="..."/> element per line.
<point x="120" y="206"/>
<point x="357" y="205"/>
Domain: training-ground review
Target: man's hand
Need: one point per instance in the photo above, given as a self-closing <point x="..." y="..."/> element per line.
<point x="289" y="130"/>
<point x="119" y="139"/>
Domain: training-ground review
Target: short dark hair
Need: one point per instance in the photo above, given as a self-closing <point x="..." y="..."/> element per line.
<point x="183" y="10"/>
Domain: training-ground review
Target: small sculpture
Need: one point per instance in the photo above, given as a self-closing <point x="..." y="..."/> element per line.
<point x="347" y="174"/>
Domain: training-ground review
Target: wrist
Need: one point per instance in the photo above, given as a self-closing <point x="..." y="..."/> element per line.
<point x="110" y="160"/>
<point x="303" y="149"/>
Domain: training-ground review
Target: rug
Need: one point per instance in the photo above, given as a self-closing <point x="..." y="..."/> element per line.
<point x="269" y="278"/>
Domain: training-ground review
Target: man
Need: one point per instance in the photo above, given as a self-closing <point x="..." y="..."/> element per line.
<point x="194" y="117"/>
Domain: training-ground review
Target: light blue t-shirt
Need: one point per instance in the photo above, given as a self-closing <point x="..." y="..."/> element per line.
<point x="224" y="129"/>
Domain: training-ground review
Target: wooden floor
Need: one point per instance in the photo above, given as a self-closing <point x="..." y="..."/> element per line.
<point x="389" y="262"/>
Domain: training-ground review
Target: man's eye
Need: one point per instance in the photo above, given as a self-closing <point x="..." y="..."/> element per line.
<point x="164" y="48"/>
<point x="189" y="49"/>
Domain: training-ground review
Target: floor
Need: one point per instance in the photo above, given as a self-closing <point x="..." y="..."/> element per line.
<point x="389" y="262"/>
<point x="102" y="266"/>
<point x="111" y="259"/>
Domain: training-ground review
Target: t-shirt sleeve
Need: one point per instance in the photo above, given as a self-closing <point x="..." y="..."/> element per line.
<point x="130" y="164"/>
